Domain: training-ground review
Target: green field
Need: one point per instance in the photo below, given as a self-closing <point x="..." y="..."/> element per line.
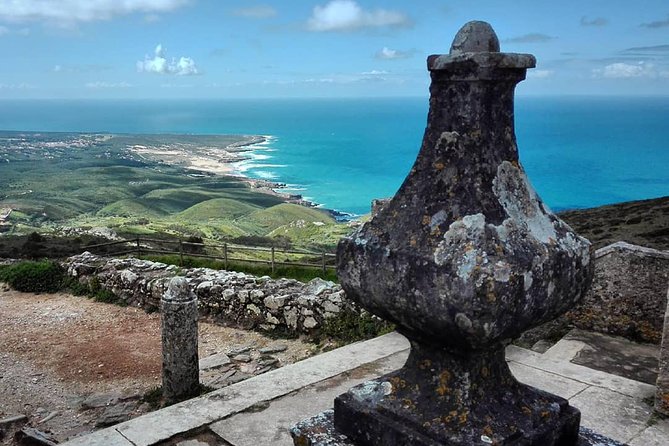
<point x="54" y="181"/>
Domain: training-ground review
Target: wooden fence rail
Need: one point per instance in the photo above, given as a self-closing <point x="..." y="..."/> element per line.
<point x="226" y="251"/>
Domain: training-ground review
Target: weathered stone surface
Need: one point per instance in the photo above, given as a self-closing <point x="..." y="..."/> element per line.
<point x="464" y="258"/>
<point x="29" y="436"/>
<point x="320" y="431"/>
<point x="100" y="400"/>
<point x="662" y="395"/>
<point x="466" y="252"/>
<point x="115" y="414"/>
<point x="276" y="348"/>
<point x="181" y="375"/>
<point x="628" y="294"/>
<point x="214" y="361"/>
<point x="475" y="37"/>
<point x="228" y="296"/>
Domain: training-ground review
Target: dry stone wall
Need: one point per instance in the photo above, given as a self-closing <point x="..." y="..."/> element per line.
<point x="628" y="296"/>
<point x="226" y="296"/>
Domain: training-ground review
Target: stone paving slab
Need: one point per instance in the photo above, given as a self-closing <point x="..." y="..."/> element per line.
<point x="261" y="410"/>
<point x="620" y="417"/>
<point x="192" y="414"/>
<point x="270" y="426"/>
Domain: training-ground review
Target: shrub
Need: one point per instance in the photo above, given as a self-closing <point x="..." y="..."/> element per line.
<point x="34" y="277"/>
<point x="349" y="326"/>
<point x="75" y="287"/>
<point x="107" y="297"/>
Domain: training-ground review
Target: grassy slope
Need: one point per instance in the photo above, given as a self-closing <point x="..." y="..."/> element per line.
<point x="103" y="186"/>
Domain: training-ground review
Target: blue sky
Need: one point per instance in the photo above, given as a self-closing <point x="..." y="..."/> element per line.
<point x="317" y="48"/>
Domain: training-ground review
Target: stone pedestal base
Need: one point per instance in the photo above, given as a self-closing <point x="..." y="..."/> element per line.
<point x="444" y="399"/>
<point x="320" y="431"/>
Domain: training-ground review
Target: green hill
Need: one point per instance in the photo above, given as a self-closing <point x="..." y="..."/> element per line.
<point x="266" y="220"/>
<point x="218" y="208"/>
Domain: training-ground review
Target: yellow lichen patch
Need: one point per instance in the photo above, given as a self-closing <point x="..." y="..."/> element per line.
<point x="439" y="165"/>
<point x="462" y="419"/>
<point x="487" y="431"/>
<point x="427" y="220"/>
<point x="398" y="383"/>
<point x="527" y="411"/>
<point x="436" y="232"/>
<point x="408" y="404"/>
<point x="491" y="297"/>
<point x="425" y="364"/>
<point x="413" y="242"/>
<point x="444" y="378"/>
<point x="515" y="164"/>
<point x="545" y="414"/>
<point x="452" y="415"/>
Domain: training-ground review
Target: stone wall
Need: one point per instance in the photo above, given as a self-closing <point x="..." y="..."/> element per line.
<point x="628" y="296"/>
<point x="662" y="392"/>
<point x="226" y="296"/>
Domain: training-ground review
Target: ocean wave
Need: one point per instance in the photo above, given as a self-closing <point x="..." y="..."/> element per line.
<point x="266" y="175"/>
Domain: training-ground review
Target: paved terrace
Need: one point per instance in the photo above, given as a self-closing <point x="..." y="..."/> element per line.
<point x="261" y="410"/>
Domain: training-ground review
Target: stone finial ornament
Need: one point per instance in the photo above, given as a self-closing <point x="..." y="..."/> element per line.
<point x="464" y="258"/>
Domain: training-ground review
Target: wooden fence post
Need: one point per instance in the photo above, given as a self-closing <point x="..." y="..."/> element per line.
<point x="225" y="255"/>
<point x="181" y="253"/>
<point x="139" y="248"/>
<point x="273" y="260"/>
<point x="324" y="269"/>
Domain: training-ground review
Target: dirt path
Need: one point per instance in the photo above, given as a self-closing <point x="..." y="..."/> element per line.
<point x="56" y="350"/>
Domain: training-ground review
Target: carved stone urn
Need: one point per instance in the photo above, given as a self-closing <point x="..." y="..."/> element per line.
<point x="464" y="258"/>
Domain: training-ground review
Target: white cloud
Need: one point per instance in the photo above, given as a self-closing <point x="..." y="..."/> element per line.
<point x="256" y="12"/>
<point x="374" y="73"/>
<point x="540" y="74"/>
<point x="621" y="70"/>
<point x="73" y="11"/>
<point x="21" y="86"/>
<point x="184" y="66"/>
<point x="390" y="54"/>
<point x="104" y="85"/>
<point x="347" y="15"/>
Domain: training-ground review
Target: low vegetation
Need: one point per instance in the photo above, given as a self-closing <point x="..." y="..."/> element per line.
<point x="33" y="277"/>
<point x="47" y="276"/>
<point x="155" y="399"/>
<point x="350" y="326"/>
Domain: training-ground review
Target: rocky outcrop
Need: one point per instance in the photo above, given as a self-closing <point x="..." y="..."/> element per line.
<point x="227" y="296"/>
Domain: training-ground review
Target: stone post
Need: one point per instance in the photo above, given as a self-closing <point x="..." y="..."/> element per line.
<point x="181" y="375"/>
<point x="662" y="391"/>
<point x="463" y="259"/>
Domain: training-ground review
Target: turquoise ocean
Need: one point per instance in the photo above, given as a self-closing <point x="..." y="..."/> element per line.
<point x="341" y="153"/>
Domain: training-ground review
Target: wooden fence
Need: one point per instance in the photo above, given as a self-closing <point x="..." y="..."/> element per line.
<point x="226" y="252"/>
